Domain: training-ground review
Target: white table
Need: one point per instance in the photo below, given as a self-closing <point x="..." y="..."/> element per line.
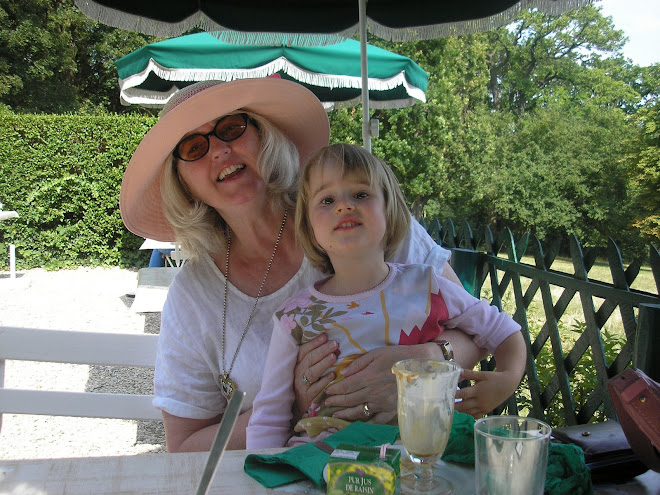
<point x="175" y="474"/>
<point x="6" y="215"/>
<point x="153" y="244"/>
<point x="179" y="474"/>
<point x="174" y="259"/>
<point x="153" y="283"/>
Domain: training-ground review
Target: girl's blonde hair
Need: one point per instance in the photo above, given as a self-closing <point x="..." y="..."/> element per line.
<point x="354" y="160"/>
<point x="200" y="228"/>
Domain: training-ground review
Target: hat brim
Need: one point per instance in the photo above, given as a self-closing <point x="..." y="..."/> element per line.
<point x="289" y="106"/>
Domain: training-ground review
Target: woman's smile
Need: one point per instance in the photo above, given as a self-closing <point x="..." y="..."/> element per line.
<point x="230" y="172"/>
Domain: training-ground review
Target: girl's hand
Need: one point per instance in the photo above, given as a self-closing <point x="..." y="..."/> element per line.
<point x="314" y="359"/>
<point x="490" y="389"/>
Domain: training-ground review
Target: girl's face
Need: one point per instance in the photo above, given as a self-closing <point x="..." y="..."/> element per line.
<point x="346" y="214"/>
<point x="227" y="174"/>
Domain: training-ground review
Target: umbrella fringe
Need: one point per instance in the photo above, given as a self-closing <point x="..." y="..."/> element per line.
<point x="131" y="22"/>
<point x="432" y="31"/>
<point x="146" y="98"/>
<point x="374" y="105"/>
<point x="281" y="39"/>
<point x="158" y="99"/>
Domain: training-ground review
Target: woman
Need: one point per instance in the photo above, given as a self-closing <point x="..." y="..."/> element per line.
<point x="218" y="173"/>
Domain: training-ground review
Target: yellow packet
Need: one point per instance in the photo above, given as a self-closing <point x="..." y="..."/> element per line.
<point x="355" y="469"/>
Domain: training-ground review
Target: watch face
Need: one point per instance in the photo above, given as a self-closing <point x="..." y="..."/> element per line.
<point x="447" y="350"/>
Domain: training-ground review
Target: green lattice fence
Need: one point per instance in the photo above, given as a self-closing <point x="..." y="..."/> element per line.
<point x="579" y="331"/>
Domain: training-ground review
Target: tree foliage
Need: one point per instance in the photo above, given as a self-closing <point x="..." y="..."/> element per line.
<point x="542" y="125"/>
<point x="645" y="163"/>
<point x="62" y="174"/>
<point x="37" y="60"/>
<point x="53" y="59"/>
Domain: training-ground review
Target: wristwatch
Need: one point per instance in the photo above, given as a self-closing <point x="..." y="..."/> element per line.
<point x="447" y="350"/>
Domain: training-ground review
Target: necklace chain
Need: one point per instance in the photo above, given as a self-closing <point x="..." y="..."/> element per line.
<point x="227" y="384"/>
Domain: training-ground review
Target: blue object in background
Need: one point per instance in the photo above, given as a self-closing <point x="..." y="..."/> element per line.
<point x="158" y="257"/>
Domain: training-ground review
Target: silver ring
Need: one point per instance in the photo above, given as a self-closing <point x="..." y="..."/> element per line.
<point x="305" y="381"/>
<point x="365" y="410"/>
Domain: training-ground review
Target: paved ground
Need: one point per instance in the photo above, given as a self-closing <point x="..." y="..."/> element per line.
<point x="91" y="299"/>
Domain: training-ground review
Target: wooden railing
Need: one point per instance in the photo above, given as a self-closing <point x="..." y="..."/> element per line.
<point x="571" y="354"/>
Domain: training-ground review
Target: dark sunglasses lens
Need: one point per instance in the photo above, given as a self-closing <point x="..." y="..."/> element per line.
<point x="193" y="147"/>
<point x="231" y="127"/>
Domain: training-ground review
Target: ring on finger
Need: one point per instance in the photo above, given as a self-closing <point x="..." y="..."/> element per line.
<point x="305" y="381"/>
<point x="365" y="410"/>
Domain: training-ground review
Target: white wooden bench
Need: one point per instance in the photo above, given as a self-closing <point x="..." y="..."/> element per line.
<point x="91" y="348"/>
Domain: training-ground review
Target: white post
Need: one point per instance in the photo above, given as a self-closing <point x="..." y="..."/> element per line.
<point x="364" y="69"/>
<point x="12" y="261"/>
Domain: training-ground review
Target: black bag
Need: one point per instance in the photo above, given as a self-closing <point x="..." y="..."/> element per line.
<point x="607" y="452"/>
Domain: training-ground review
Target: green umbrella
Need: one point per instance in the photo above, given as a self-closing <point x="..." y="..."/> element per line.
<point x="151" y="75"/>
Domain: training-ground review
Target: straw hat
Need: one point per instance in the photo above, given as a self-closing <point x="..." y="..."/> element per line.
<point x="291" y="107"/>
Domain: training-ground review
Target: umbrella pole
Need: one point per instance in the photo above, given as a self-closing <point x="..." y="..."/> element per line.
<point x="366" y="132"/>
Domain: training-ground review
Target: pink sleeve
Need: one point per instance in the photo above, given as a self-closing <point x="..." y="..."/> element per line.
<point x="270" y="423"/>
<point x="489" y="326"/>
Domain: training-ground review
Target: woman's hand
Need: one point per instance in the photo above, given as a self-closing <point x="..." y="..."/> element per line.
<point x="314" y="359"/>
<point x="369" y="379"/>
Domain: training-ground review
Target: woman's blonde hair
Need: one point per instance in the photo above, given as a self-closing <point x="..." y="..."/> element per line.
<point x="353" y="160"/>
<point x="200" y="228"/>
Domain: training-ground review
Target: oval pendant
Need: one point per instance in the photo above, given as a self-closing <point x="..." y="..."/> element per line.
<point x="227" y="386"/>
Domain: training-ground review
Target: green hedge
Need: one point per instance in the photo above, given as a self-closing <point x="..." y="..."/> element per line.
<point x="62" y="174"/>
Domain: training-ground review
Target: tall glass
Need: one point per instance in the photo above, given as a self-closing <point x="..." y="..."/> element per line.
<point x="511" y="455"/>
<point x="426" y="394"/>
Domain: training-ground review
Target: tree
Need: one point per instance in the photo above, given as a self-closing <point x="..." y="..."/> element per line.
<point x="562" y="172"/>
<point x="539" y="55"/>
<point x="53" y="59"/>
<point x="37" y="57"/>
<point x="526" y="126"/>
<point x="96" y="77"/>
<point x="427" y="143"/>
<point x="645" y="164"/>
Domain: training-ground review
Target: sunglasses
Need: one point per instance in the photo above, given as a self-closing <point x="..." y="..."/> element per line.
<point x="227" y="129"/>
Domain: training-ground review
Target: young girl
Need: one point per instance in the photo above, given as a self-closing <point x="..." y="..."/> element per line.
<point x="350" y="218"/>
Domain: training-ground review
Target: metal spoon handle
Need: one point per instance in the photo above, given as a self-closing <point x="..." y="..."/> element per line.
<point x="221" y="439"/>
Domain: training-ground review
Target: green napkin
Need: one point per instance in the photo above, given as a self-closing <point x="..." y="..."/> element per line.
<point x="460" y="447"/>
<point x="308" y="461"/>
<point x="566" y="473"/>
